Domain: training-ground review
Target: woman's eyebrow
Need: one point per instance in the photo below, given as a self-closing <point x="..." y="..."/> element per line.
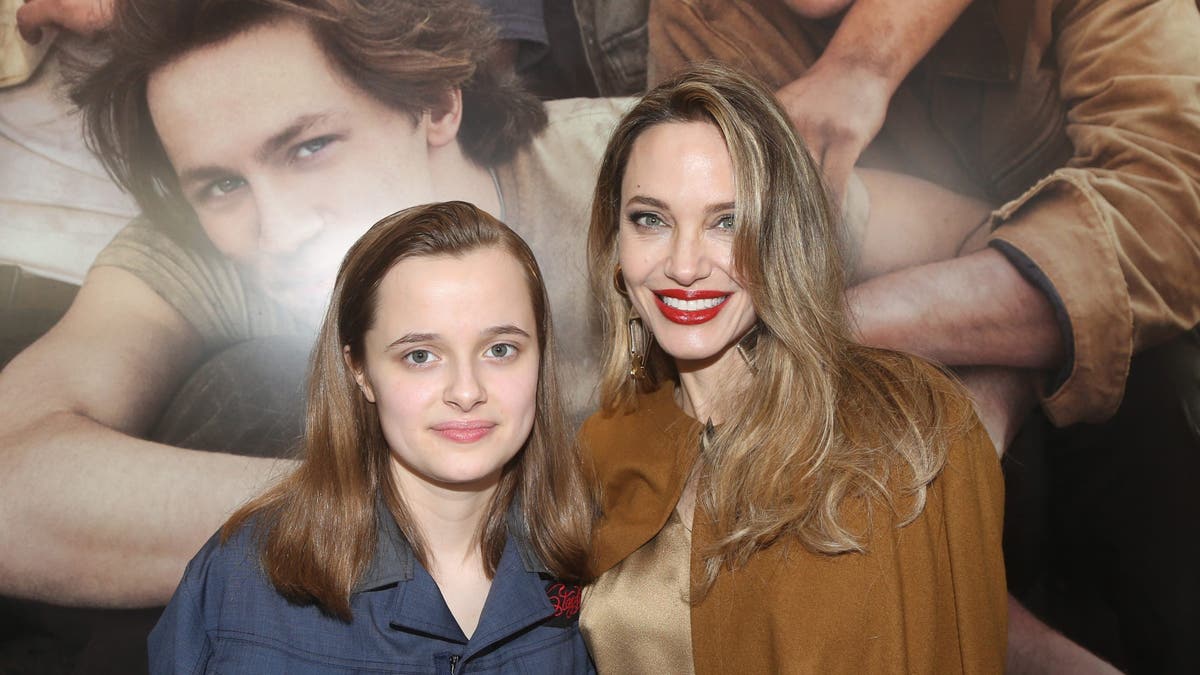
<point x="648" y="201"/>
<point x="660" y="204"/>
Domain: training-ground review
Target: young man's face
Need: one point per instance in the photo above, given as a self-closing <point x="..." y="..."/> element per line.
<point x="285" y="161"/>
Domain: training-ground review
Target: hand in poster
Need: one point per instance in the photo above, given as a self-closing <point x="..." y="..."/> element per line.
<point x="837" y="109"/>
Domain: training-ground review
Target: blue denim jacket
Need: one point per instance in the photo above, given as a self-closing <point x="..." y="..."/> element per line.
<point x="226" y="617"/>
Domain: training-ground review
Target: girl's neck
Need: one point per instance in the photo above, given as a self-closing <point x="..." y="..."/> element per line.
<point x="447" y="517"/>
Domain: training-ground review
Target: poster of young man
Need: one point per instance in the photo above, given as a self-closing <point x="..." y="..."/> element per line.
<point x="179" y="181"/>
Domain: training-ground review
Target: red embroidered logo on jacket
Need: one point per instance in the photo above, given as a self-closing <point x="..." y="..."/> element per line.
<point x="565" y="599"/>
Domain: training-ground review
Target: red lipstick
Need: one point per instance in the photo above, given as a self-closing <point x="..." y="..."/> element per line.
<point x="684" y="315"/>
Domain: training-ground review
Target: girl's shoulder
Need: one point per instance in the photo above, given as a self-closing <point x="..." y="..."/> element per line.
<point x="225" y="565"/>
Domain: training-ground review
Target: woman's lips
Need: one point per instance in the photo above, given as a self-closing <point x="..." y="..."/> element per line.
<point x="464" y="432"/>
<point x="689" y="307"/>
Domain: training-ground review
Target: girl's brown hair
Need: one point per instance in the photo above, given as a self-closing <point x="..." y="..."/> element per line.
<point x="318" y="525"/>
<point x="821" y="419"/>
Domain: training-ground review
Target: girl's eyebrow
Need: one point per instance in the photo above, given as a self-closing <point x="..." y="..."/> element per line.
<point x="506" y="329"/>
<point x="411" y="338"/>
<point x="494" y="331"/>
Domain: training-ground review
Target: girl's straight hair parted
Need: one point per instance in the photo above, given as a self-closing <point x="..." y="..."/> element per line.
<point x="829" y="420"/>
<point x="317" y="527"/>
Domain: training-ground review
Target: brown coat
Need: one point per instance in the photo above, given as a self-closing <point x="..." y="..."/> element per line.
<point x="926" y="598"/>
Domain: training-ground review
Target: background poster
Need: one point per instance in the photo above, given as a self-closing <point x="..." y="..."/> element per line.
<point x="59" y="208"/>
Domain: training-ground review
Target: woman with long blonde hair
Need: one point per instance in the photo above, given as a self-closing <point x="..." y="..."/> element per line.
<point x="776" y="497"/>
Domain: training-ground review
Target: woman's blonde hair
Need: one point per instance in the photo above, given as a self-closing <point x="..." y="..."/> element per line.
<point x="318" y="526"/>
<point x="829" y="420"/>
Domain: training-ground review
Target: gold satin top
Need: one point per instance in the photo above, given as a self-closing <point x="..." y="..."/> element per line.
<point x="636" y="617"/>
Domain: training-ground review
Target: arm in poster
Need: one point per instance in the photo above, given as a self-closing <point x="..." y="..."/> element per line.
<point x="912" y="223"/>
<point x="973" y="310"/>
<point x="89" y="514"/>
<point x="1113" y="233"/>
<point x="839" y="104"/>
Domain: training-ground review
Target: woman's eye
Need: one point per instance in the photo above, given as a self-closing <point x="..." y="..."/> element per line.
<point x="310" y="148"/>
<point x="419" y="357"/>
<point x="646" y="220"/>
<point x="501" y="351"/>
<point x="725" y="223"/>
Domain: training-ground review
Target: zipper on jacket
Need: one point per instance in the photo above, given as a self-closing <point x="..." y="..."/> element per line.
<point x="453" y="663"/>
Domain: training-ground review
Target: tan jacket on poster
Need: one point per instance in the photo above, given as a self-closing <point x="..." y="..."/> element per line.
<point x="1080" y="117"/>
<point x="927" y="598"/>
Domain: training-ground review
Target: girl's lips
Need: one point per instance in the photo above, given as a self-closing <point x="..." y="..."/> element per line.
<point x="686" y="316"/>
<point x="464" y="432"/>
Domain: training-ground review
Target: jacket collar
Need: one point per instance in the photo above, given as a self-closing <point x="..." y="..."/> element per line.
<point x="642" y="459"/>
<point x="517" y="599"/>
<point x="394" y="560"/>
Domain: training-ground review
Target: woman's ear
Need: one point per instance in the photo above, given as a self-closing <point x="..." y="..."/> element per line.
<point x="360" y="375"/>
<point x="444" y="119"/>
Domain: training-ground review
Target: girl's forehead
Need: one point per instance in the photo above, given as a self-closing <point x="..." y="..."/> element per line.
<point x="483" y="287"/>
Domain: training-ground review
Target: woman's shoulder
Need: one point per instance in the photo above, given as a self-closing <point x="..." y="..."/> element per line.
<point x="938" y="454"/>
<point x="654" y="416"/>
<point x="649" y="438"/>
<point x="971" y="477"/>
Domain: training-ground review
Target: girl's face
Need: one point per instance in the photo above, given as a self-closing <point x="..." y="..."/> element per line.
<point x="675" y="241"/>
<point x="452" y="367"/>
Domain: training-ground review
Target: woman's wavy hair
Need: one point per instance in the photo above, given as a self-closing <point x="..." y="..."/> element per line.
<point x="405" y="53"/>
<point x="317" y="527"/>
<point x="820" y="419"/>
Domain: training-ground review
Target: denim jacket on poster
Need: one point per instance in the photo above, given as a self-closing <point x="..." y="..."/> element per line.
<point x="226" y="617"/>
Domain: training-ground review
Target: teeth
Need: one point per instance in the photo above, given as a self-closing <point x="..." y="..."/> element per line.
<point x="692" y="305"/>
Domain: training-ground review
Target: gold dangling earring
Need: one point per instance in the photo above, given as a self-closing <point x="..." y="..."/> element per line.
<point x="639" y="348"/>
<point x="745" y="347"/>
<point x="639" y="340"/>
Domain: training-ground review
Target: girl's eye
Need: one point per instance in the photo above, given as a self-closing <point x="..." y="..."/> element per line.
<point x="501" y="351"/>
<point x="646" y="220"/>
<point x="419" y="357"/>
<point x="725" y="223"/>
<point x="310" y="148"/>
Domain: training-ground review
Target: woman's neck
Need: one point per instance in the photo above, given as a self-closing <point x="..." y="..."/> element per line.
<point x="704" y="387"/>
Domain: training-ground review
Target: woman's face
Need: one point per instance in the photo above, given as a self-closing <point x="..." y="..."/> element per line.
<point x="675" y="241"/>
<point x="452" y="367"/>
